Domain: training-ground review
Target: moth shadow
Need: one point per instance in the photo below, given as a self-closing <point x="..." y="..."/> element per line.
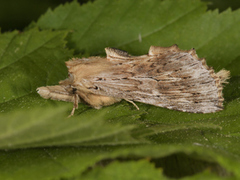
<point x="231" y="90"/>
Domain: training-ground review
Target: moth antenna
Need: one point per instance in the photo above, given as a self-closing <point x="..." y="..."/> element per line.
<point x="224" y="75"/>
<point x="132" y="103"/>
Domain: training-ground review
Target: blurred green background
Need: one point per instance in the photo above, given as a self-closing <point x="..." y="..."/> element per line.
<point x="17" y="14"/>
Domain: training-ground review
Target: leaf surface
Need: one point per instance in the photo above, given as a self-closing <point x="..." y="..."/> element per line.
<point x="36" y="138"/>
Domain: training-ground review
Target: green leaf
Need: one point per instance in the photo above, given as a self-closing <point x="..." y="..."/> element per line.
<point x="36" y="138"/>
<point x="134" y="26"/>
<point x="46" y="163"/>
<point x="29" y="60"/>
<point x="88" y="162"/>
<point x="126" y="170"/>
<point x="222" y="4"/>
<point x="50" y="127"/>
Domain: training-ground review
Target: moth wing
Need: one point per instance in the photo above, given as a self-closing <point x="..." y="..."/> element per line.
<point x="178" y="80"/>
<point x="116" y="53"/>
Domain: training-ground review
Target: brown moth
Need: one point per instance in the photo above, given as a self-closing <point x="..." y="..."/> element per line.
<point x="167" y="77"/>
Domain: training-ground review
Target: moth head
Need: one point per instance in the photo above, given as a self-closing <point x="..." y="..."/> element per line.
<point x="44" y="92"/>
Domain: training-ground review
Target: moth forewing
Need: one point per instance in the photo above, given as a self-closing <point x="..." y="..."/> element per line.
<point x="166" y="77"/>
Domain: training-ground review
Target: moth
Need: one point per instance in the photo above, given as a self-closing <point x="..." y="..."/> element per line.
<point x="166" y="77"/>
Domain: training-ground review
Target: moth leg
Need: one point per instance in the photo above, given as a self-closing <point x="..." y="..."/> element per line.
<point x="75" y="105"/>
<point x="132" y="103"/>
